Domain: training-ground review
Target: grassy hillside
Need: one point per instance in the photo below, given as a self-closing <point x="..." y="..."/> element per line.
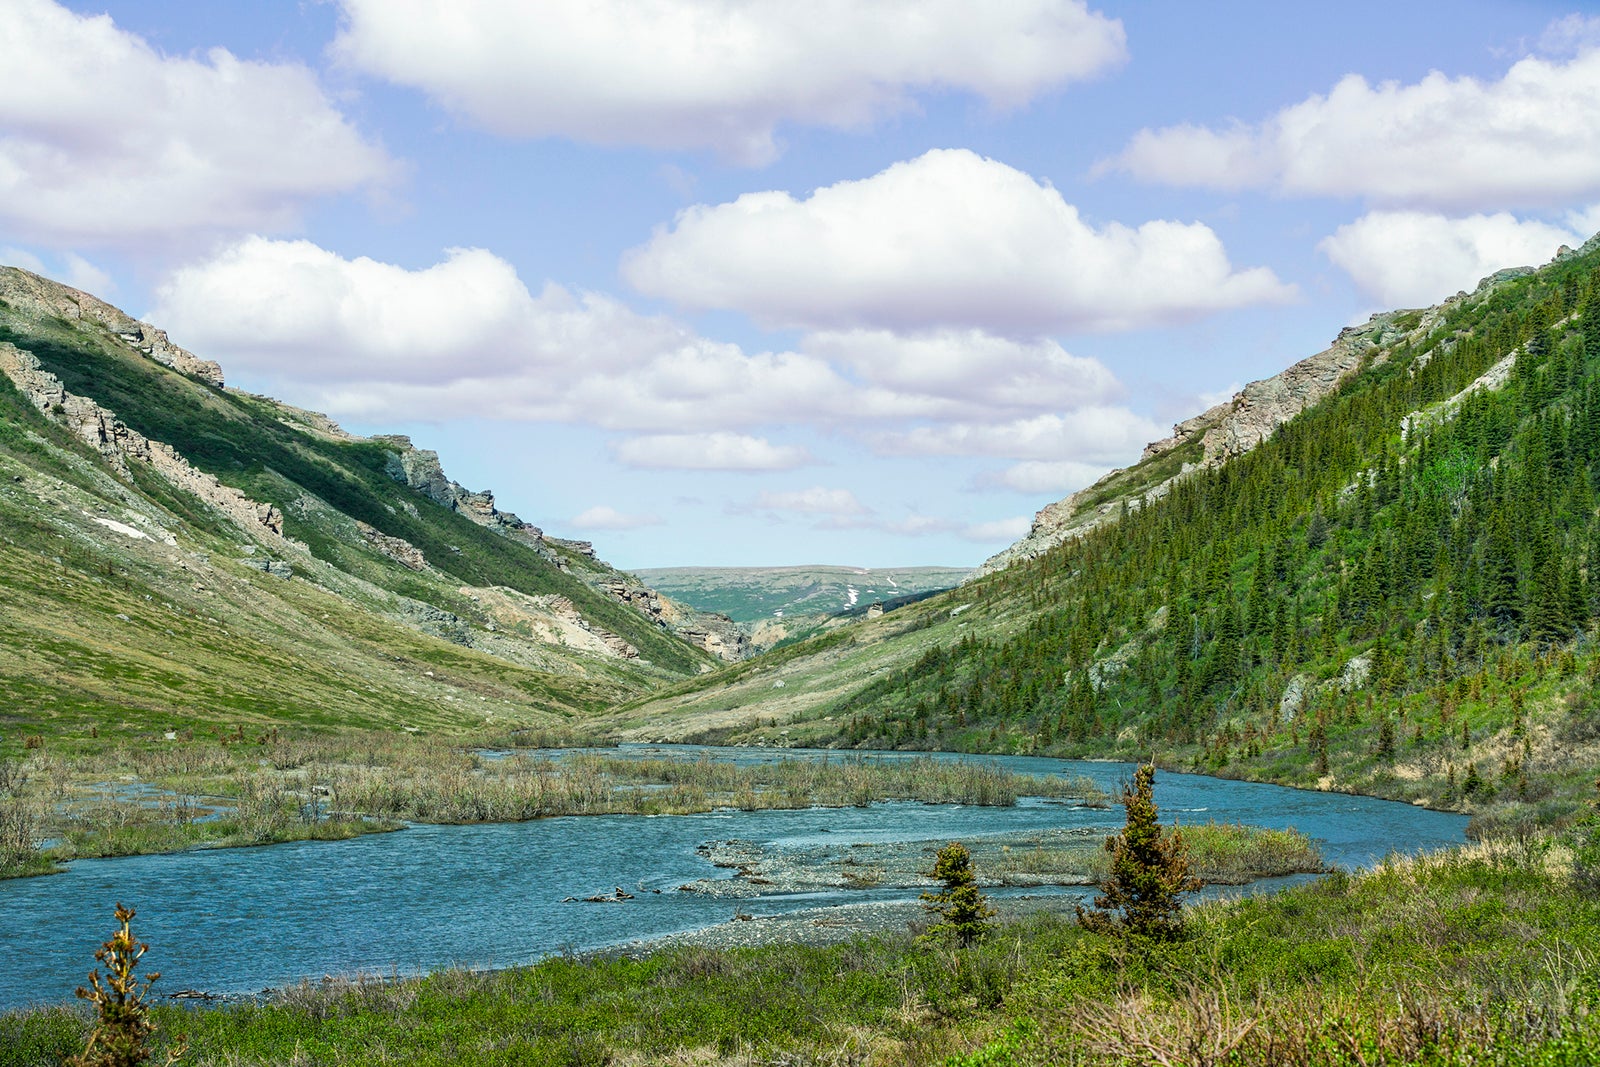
<point x="1397" y="592"/>
<point x="133" y="604"/>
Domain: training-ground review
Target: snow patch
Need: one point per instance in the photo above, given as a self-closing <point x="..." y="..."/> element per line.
<point x="131" y="531"/>
<point x="853" y="593"/>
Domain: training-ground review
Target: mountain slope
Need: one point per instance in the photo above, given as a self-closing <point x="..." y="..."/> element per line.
<point x="1389" y="589"/>
<point x="178" y="553"/>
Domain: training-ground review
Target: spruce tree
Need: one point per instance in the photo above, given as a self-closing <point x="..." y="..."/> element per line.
<point x="963" y="912"/>
<point x="1148" y="871"/>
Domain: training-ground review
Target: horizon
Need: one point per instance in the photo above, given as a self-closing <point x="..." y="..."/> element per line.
<point x="805" y="298"/>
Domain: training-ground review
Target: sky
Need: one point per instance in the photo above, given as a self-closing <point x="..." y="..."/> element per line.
<point x="748" y="282"/>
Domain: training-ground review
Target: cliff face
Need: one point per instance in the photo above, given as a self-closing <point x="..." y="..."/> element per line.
<point x="1235" y="426"/>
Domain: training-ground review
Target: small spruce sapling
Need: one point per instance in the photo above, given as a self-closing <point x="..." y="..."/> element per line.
<point x="1148" y="871"/>
<point x="123" y="1028"/>
<point x="963" y="912"/>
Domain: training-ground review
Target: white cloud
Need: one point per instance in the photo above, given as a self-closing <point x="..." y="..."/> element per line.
<point x="970" y="368"/>
<point x="1530" y="139"/>
<point x="817" y="500"/>
<point x="605" y="517"/>
<point x="722" y="74"/>
<point x="718" y="451"/>
<point x="949" y="239"/>
<point x="1570" y="35"/>
<point x="1097" y="435"/>
<point x="1047" y="476"/>
<point x="367" y="339"/>
<point x="1416" y="259"/>
<point x="1003" y="531"/>
<point x="105" y="140"/>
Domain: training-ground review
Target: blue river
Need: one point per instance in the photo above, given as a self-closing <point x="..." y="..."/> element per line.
<point x="491" y="895"/>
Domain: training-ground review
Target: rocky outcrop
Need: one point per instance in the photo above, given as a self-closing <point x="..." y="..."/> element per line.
<point x="31" y="294"/>
<point x="275" y="567"/>
<point x="708" y="631"/>
<point x="120" y="444"/>
<point x="565" y="609"/>
<point x="419" y="468"/>
<point x="398" y="549"/>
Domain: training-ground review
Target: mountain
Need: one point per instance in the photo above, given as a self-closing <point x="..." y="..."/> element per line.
<point x="1376" y="571"/>
<point x="178" y="552"/>
<point x="776" y="604"/>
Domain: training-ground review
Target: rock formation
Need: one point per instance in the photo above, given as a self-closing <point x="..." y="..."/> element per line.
<point x="420" y="469"/>
<point x="119" y="444"/>
<point x="36" y="296"/>
<point x="398" y="549"/>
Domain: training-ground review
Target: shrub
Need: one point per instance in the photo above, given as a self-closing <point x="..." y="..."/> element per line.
<point x="122" y="1033"/>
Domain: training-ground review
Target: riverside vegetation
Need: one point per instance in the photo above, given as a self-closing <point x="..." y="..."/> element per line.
<point x="237" y="790"/>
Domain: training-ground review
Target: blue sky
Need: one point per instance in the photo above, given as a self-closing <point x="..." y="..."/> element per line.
<point x="728" y="282"/>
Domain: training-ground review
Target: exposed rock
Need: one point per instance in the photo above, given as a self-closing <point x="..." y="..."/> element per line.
<point x="707" y="631"/>
<point x="437" y="622"/>
<point x="1294" y="698"/>
<point x="398" y="549"/>
<point x="1356" y="674"/>
<point x="276" y="567"/>
<point x="419" y="469"/>
<point x="617" y="646"/>
<point x="119" y="444"/>
<point x="30" y="293"/>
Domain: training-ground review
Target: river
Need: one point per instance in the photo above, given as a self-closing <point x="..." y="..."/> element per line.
<point x="492" y="895"/>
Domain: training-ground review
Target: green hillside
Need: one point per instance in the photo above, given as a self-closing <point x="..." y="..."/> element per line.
<point x="132" y="597"/>
<point x="1396" y="592"/>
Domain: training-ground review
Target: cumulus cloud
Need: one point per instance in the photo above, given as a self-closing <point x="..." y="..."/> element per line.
<point x="719" y="451"/>
<point x="968" y="368"/>
<point x="723" y="74"/>
<point x="369" y="339"/>
<point x="606" y="517"/>
<point x="1415" y="259"/>
<point x="817" y="500"/>
<point x="949" y="239"/>
<point x="104" y="140"/>
<point x="466" y="336"/>
<point x="1529" y="139"/>
<point x="1095" y="435"/>
<point x="999" y="531"/>
<point x="1046" y="476"/>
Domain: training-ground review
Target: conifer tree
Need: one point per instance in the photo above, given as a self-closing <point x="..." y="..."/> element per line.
<point x="963" y="912"/>
<point x="1148" y="871"/>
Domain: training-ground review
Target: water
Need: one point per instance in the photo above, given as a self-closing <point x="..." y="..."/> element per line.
<point x="241" y="920"/>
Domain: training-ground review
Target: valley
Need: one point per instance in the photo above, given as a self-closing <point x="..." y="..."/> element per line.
<point x="230" y="623"/>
